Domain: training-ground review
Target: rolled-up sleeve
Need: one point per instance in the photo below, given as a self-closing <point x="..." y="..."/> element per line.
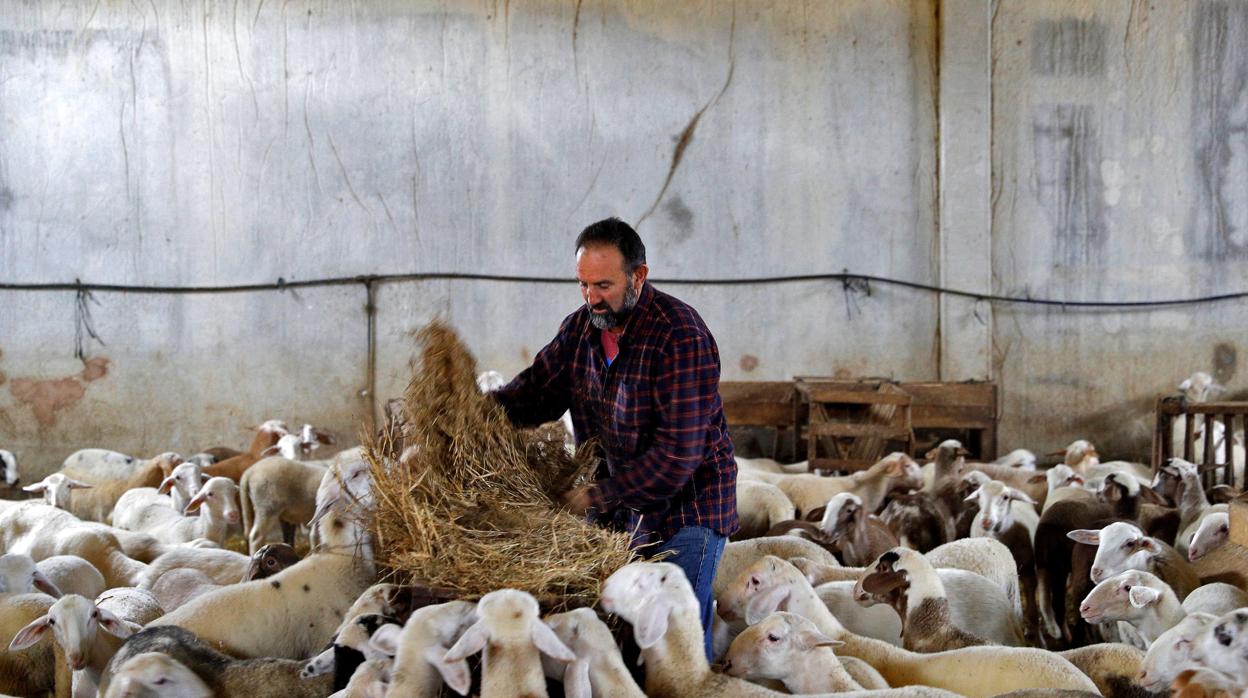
<point x="542" y="392"/>
<point x="686" y="398"/>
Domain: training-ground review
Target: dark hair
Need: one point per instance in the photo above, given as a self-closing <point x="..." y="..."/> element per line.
<point x="618" y="234"/>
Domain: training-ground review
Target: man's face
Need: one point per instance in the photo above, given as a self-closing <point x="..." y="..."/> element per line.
<point x="608" y="291"/>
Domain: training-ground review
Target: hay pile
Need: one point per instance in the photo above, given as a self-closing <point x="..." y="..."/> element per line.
<point x="469" y="503"/>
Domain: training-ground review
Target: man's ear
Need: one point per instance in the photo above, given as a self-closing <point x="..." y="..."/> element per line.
<point x="640" y="274"/>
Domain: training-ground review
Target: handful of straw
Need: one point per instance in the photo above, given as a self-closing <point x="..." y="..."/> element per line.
<point x="467" y="502"/>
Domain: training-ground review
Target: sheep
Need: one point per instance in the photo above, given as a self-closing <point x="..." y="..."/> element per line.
<point x="897" y="471"/>
<point x="740" y="554"/>
<point x="1112" y="666"/>
<point x="919" y="521"/>
<point x="905" y="580"/>
<point x="101" y="464"/>
<point x="34" y="670"/>
<point x="1019" y="458"/>
<point x="1213" y="532"/>
<point x="269" y="560"/>
<point x="222" y="566"/>
<point x="293" y="613"/>
<point x="420" y="646"/>
<point x="1224" y="646"/>
<point x="598" y="669"/>
<point x="858" y="535"/>
<point x="1063" y="483"/>
<point x="781" y="586"/>
<point x="129" y="511"/>
<point x="42" y="531"/>
<point x="75" y="623"/>
<point x="96" y="504"/>
<point x="760" y="506"/>
<point x="19" y="575"/>
<point x="1082" y="457"/>
<point x="178" y="586"/>
<point x="1203" y="682"/>
<point x="1171" y="652"/>
<point x="378" y="605"/>
<point x="226" y="676"/>
<point x="276" y="493"/>
<point x="789" y="648"/>
<point x="1009" y="516"/>
<point x="311" y="438"/>
<point x="1021" y="480"/>
<point x="183" y="482"/>
<point x="217" y="500"/>
<point x="657" y="600"/>
<point x="72" y="575"/>
<point x="267" y="435"/>
<point x="490" y="380"/>
<point x="370" y="680"/>
<point x="57" y="489"/>
<point x="511" y="632"/>
<point x="1122" y="546"/>
<point x="11" y="477"/>
<point x="159" y="676"/>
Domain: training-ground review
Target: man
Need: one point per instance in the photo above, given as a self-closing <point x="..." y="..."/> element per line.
<point x="640" y="372"/>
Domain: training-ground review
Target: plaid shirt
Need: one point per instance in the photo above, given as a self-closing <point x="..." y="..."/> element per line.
<point x="667" y="456"/>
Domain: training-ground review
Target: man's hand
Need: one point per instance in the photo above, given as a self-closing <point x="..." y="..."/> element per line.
<point x="577" y="499"/>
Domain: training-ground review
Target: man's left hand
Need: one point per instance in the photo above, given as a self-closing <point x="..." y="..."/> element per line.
<point x="577" y="499"/>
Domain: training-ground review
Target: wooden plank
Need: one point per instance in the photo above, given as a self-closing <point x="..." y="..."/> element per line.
<point x="756" y="391"/>
<point x="752" y="414"/>
<point x="933" y="416"/>
<point x="1207" y="408"/>
<point x="1238" y="509"/>
<point x="854" y="397"/>
<point x="952" y="394"/>
<point x="841" y="429"/>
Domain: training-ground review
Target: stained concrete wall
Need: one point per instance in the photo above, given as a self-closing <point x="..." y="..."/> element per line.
<point x="1086" y="150"/>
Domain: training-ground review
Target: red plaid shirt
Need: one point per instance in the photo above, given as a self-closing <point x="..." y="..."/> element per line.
<point x="656" y="412"/>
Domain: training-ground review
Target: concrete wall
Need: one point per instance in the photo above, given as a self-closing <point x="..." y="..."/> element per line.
<point x="200" y="143"/>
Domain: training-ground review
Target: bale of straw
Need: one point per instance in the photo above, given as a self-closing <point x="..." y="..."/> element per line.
<point x="467" y="502"/>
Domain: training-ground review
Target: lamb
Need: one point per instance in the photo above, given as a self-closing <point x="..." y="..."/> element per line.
<point x="858" y="536"/>
<point x="293" y="613"/>
<point x="1019" y="458"/>
<point x="75" y="623"/>
<point x="919" y="520"/>
<point x="1063" y="484"/>
<point x="598" y="669"/>
<point x="183" y="482"/>
<point x="277" y="494"/>
<point x="896" y="471"/>
<point x="1112" y="666"/>
<point x="221" y="566"/>
<point x="96" y="504"/>
<point x="789" y="648"/>
<point x="877" y="622"/>
<point x="101" y="464"/>
<point x="905" y="580"/>
<point x="781" y="586"/>
<point x="760" y="506"/>
<point x="57" y="489"/>
<point x="19" y="575"/>
<point x="9" y="461"/>
<point x="233" y="467"/>
<point x="659" y="603"/>
<point x="72" y="575"/>
<point x="420" y="646"/>
<point x="511" y="632"/>
<point x="1082" y="457"/>
<point x="740" y="554"/>
<point x="1123" y="546"/>
<point x="1009" y="516"/>
<point x="1021" y="480"/>
<point x="1171" y="652"/>
<point x="225" y="676"/>
<point x="32" y="671"/>
<point x="379" y="605"/>
<point x="178" y="586"/>
<point x="219" y="500"/>
<point x="42" y="531"/>
<point x="1213" y="532"/>
<point x="158" y="676"/>
<point x="370" y="680"/>
<point x="1149" y="604"/>
<point x="1224" y="646"/>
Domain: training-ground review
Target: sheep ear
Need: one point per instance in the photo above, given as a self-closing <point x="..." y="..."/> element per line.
<point x="1020" y="496"/>
<point x="765" y="603"/>
<point x="576" y="680"/>
<point x="1150" y="545"/>
<point x="45" y="585"/>
<point x="115" y="626"/>
<point x="1085" y="536"/>
<point x="1037" y="479"/>
<point x="197" y="500"/>
<point x="472" y="641"/>
<point x="973" y="495"/>
<point x="549" y="643"/>
<point x="455" y="674"/>
<point x="165" y="485"/>
<point x="810" y="639"/>
<point x="29" y="635"/>
<point x="270" y="451"/>
<point x="37" y="487"/>
<point x="1142" y="596"/>
<point x="386" y="639"/>
<point x="78" y="485"/>
<point x="651" y="623"/>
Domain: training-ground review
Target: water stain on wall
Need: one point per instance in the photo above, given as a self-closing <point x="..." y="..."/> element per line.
<point x="1220" y="130"/>
<point x="1068" y="47"/>
<point x="46" y="397"/>
<point x="1225" y="361"/>
<point x="1066" y="143"/>
<point x="749" y="362"/>
<point x="681" y="216"/>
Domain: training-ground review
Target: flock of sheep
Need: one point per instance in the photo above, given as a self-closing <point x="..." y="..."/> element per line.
<point x="948" y="578"/>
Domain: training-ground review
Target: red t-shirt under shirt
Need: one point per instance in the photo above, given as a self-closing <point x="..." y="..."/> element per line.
<point x="610" y="345"/>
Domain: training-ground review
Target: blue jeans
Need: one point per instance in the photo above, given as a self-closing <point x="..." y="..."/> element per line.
<point x="698" y="550"/>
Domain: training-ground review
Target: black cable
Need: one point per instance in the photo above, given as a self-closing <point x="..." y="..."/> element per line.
<point x="849" y="280"/>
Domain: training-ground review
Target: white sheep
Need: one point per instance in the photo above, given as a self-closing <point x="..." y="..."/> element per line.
<point x="371" y="679"/>
<point x="274" y="493"/>
<point x="1019" y="458"/>
<point x="1171" y="652"/>
<point x="599" y="668"/>
<point x="57" y="489"/>
<point x="217" y="501"/>
<point x="1122" y="546"/>
<point x="788" y="648"/>
<point x="183" y="482"/>
<point x="419" y="649"/>
<point x="896" y="471"/>
<point x="1224" y="646"/>
<point x="75" y="623"/>
<point x="510" y="630"/>
<point x="96" y="504"/>
<point x="101" y="463"/>
<point x="740" y="554"/>
<point x="9" y="461"/>
<point x="997" y="669"/>
<point x="156" y="675"/>
<point x="42" y="531"/>
<point x="760" y="506"/>
<point x="19" y="575"/>
<point x="490" y="380"/>
<point x="1063" y="483"/>
<point x="33" y="671"/>
<point x="221" y="566"/>
<point x="1149" y="605"/>
<point x="656" y="599"/>
<point x="1212" y="533"/>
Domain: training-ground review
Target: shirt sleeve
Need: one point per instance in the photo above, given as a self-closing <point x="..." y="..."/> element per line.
<point x="542" y="392"/>
<point x="687" y="390"/>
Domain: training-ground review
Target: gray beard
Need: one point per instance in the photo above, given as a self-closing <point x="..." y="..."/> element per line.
<point x="612" y="318"/>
